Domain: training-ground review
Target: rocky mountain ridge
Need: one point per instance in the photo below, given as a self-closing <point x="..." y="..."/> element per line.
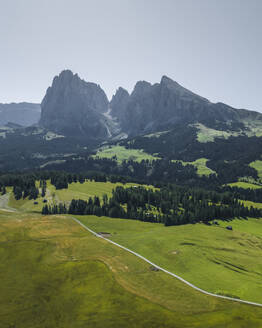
<point x="74" y="107"/>
<point x="151" y="108"/>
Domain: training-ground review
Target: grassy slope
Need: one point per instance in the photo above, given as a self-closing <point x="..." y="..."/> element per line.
<point x="124" y="154"/>
<point x="75" y="190"/>
<point x="211" y="257"/>
<point x="206" y="256"/>
<point x="201" y="166"/>
<point x="55" y="274"/>
<point x="206" y="134"/>
<point x="89" y="189"/>
<point x="257" y="165"/>
<point x="244" y="185"/>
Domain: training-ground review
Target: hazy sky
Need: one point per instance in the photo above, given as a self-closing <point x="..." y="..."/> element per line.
<point x="213" y="47"/>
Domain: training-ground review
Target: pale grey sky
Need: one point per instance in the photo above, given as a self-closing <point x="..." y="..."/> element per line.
<point x="213" y="47"/>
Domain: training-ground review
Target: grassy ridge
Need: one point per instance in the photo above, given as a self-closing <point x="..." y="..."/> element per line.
<point x="55" y="274"/>
<point x="211" y="257"/>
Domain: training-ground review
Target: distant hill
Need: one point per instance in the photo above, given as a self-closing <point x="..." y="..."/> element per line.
<point x="24" y="114"/>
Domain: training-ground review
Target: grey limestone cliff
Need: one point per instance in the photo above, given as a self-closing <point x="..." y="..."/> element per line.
<point x="74" y="107"/>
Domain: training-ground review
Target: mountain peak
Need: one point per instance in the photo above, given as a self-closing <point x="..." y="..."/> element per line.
<point x="121" y="91"/>
<point x="167" y="81"/>
<point x="65" y="76"/>
<point x="66" y="73"/>
<point x="73" y="106"/>
<point x="141" y="87"/>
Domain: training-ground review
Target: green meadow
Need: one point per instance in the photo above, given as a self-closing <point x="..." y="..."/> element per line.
<point x="200" y="165"/>
<point x="206" y="134"/>
<point x="55" y="274"/>
<point x="120" y="153"/>
<point x="211" y="257"/>
<point x="88" y="189"/>
<point x="76" y="190"/>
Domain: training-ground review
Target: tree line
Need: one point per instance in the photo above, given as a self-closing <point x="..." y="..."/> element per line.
<point x="171" y="205"/>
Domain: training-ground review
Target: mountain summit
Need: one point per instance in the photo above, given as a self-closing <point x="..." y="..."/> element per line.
<point x="159" y="106"/>
<point x="74" y="107"/>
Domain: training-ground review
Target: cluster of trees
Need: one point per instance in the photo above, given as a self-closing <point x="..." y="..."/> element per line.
<point x="171" y="205"/>
<point x="228" y="157"/>
<point x="20" y="149"/>
<point x="181" y="143"/>
<point x="43" y="187"/>
<point x="61" y="179"/>
<point x="153" y="172"/>
<point x="166" y="170"/>
<point x="2" y="189"/>
<point x="144" y="172"/>
<point x="254" y="195"/>
<point x="31" y="192"/>
<point x="24" y="186"/>
<point x="55" y="209"/>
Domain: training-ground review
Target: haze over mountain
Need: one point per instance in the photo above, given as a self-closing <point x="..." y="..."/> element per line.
<point x="24" y="113"/>
<point x="74" y="107"/>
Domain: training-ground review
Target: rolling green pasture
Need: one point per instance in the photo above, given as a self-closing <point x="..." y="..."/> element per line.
<point x="89" y="189"/>
<point x="55" y="274"/>
<point x="76" y="190"/>
<point x="250" y="226"/>
<point x="48" y="259"/>
<point x="200" y="165"/>
<point x="122" y="154"/>
<point x="211" y="257"/>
